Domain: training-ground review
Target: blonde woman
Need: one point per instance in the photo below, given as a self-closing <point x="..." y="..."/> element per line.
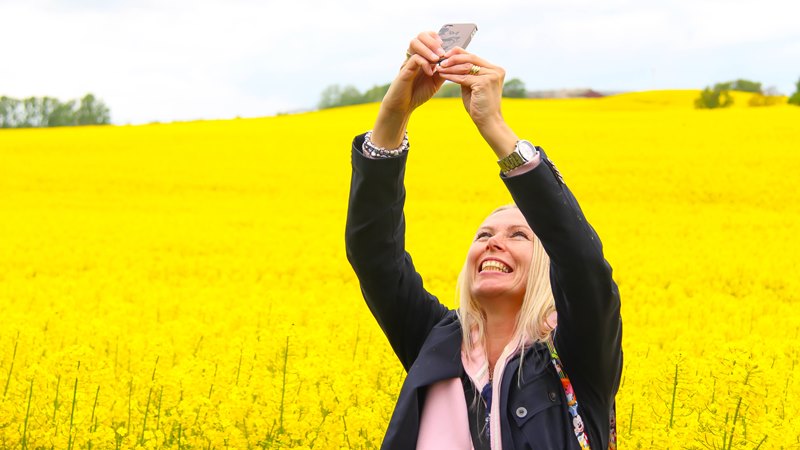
<point x="532" y="358"/>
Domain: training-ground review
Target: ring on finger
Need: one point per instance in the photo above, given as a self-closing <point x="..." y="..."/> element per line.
<point x="474" y="69"/>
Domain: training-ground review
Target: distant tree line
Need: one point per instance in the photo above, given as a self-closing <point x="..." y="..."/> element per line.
<point x="336" y="95"/>
<point x="37" y="112"/>
<point x="795" y="98"/>
<point x="719" y="95"/>
<point x="716" y="96"/>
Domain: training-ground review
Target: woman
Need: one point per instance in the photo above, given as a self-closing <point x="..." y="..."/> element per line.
<point x="498" y="373"/>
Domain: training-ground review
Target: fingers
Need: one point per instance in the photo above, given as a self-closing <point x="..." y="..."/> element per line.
<point x="465" y="74"/>
<point x="467" y="69"/>
<point x="427" y="44"/>
<point x="460" y="57"/>
<point x="415" y="63"/>
<point x="465" y="79"/>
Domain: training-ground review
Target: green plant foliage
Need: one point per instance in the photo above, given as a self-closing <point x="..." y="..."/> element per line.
<point x="744" y="86"/>
<point x="449" y="90"/>
<point x="335" y="95"/>
<point x="375" y="94"/>
<point x="795" y="98"/>
<point x="37" y="112"/>
<point x="718" y="97"/>
<point x="514" y="88"/>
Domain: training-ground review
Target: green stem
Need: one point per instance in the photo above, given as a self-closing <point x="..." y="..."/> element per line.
<point x="55" y="405"/>
<point x="283" y="387"/>
<point x="239" y="369"/>
<point x="11" y="369"/>
<point x="630" y="421"/>
<point x="155" y="366"/>
<point x="733" y="426"/>
<point x="91" y="421"/>
<point x="158" y="414"/>
<point x="130" y="394"/>
<point x="674" y="392"/>
<point x="146" y="410"/>
<point x="72" y="413"/>
<point x="346" y="436"/>
<point x="197" y="347"/>
<point x="27" y="414"/>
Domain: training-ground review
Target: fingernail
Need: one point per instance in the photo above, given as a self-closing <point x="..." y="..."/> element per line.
<point x="440" y="51"/>
<point x="434" y="56"/>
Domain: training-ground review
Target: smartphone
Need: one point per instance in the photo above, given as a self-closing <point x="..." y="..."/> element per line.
<point x="457" y="35"/>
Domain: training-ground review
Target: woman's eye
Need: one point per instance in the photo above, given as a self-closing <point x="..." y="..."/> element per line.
<point x="482" y="236"/>
<point x="521" y="234"/>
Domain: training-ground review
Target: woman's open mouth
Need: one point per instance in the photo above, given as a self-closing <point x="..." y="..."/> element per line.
<point x="493" y="265"/>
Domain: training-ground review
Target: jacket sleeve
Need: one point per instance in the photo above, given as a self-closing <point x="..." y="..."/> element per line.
<point x="589" y="333"/>
<point x="375" y="245"/>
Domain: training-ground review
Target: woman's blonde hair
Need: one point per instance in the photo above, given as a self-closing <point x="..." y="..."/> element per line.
<point x="537" y="304"/>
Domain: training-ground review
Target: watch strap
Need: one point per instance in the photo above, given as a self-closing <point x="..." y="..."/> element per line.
<point x="511" y="162"/>
<point x="516" y="158"/>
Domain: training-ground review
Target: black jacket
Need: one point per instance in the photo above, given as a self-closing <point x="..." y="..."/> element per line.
<point x="426" y="336"/>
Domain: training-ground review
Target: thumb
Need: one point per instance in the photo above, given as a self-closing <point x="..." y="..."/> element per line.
<point x="413" y="65"/>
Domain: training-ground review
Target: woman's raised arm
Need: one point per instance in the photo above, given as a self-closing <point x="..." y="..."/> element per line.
<point x="587" y="301"/>
<point x="416" y="83"/>
<point x="375" y="231"/>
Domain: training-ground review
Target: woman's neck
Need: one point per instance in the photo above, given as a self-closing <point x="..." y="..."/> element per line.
<point x="500" y="327"/>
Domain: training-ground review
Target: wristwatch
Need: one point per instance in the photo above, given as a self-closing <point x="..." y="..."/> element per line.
<point x="523" y="152"/>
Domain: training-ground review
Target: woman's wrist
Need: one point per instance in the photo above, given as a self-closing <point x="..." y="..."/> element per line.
<point x="500" y="137"/>
<point x="390" y="129"/>
<point x="373" y="151"/>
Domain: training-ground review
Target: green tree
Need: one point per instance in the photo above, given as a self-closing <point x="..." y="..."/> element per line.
<point x="335" y="95"/>
<point x="794" y="99"/>
<point x="449" y="90"/>
<point x="9" y="110"/>
<point x="62" y="114"/>
<point x="718" y="97"/>
<point x="330" y="96"/>
<point x="350" y="96"/>
<point x="32" y="114"/>
<point x="514" y="88"/>
<point x="92" y="112"/>
<point x="51" y="112"/>
<point x="745" y="86"/>
<point x="375" y="94"/>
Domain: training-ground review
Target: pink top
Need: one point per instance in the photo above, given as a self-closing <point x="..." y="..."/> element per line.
<point x="444" y="423"/>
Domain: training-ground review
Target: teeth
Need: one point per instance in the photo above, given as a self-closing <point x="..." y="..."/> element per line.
<point x="496" y="266"/>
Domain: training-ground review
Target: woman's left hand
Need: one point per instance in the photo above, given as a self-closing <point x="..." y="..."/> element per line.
<point x="481" y="91"/>
<point x="481" y="85"/>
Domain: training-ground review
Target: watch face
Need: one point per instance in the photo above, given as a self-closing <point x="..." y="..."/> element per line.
<point x="526" y="150"/>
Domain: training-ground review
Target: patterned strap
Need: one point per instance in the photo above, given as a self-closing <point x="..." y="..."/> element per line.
<point x="572" y="406"/>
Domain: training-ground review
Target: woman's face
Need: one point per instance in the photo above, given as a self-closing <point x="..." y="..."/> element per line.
<point x="500" y="255"/>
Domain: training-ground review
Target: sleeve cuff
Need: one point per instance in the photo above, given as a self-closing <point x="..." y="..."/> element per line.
<point x="527" y="167"/>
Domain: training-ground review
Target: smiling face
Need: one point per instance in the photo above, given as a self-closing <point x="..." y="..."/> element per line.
<point x="500" y="256"/>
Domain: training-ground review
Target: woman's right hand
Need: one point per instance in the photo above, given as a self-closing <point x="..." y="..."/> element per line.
<point x="414" y="85"/>
<point x="417" y="81"/>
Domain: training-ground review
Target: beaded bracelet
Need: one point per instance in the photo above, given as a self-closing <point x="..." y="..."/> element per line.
<point x="374" y="151"/>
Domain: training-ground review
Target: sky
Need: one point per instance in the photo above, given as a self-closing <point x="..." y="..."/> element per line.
<point x="175" y="60"/>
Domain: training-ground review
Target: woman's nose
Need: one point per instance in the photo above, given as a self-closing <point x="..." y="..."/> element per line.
<point x="494" y="242"/>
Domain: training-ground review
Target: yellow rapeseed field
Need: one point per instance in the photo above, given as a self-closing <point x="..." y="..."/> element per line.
<point x="185" y="285"/>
